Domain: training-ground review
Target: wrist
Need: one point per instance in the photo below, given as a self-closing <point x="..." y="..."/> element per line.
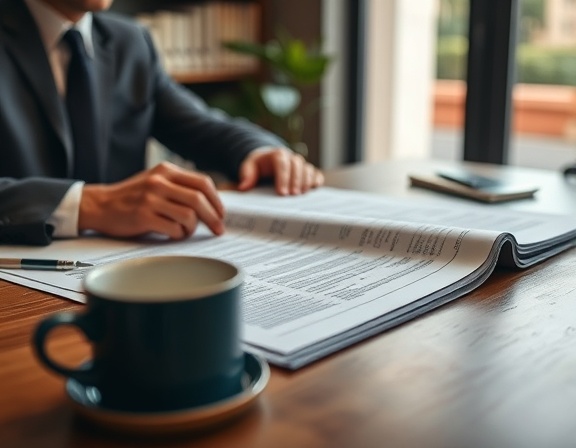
<point x="91" y="205"/>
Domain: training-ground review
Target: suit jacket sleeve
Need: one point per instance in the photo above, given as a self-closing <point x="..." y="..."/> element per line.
<point x="25" y="206"/>
<point x="209" y="137"/>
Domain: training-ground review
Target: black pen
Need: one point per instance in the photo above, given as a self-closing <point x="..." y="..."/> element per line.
<point x="46" y="265"/>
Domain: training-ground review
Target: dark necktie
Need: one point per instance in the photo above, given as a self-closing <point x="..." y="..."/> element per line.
<point x="81" y="105"/>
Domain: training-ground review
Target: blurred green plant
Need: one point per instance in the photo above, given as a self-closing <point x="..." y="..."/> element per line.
<point x="276" y="102"/>
<point x="451" y="52"/>
<point x="538" y="65"/>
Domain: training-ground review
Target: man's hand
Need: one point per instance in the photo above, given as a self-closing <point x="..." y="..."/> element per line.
<point x="291" y="173"/>
<point x="165" y="199"/>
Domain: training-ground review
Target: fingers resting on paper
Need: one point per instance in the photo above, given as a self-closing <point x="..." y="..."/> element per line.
<point x="291" y="172"/>
<point x="172" y="201"/>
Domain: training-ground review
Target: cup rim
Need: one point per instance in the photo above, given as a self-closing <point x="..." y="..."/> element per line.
<point x="91" y="287"/>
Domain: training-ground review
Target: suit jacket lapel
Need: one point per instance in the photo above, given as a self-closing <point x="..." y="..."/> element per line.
<point x="25" y="45"/>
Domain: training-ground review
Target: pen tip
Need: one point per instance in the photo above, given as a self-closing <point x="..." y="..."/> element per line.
<point x="81" y="264"/>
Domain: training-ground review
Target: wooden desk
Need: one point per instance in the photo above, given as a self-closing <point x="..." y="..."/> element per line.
<point x="496" y="368"/>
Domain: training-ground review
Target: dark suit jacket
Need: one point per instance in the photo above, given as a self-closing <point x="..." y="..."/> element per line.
<point x="136" y="100"/>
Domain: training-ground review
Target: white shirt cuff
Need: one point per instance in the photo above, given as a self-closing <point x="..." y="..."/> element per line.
<point x="65" y="216"/>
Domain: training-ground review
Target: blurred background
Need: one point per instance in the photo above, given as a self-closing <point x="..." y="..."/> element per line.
<point x="347" y="81"/>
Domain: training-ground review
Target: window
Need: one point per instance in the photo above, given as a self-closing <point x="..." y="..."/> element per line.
<point x="542" y="87"/>
<point x="544" y="121"/>
<point x="449" y="91"/>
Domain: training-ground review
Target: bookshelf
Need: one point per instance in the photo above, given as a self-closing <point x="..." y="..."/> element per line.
<point x="188" y="35"/>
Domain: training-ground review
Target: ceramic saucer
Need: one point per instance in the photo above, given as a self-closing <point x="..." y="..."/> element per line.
<point x="85" y="402"/>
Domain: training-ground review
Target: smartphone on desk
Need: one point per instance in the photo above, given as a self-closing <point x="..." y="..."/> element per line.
<point x="464" y="183"/>
<point x="471" y="179"/>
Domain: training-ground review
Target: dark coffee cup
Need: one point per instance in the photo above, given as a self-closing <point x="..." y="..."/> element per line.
<point x="165" y="333"/>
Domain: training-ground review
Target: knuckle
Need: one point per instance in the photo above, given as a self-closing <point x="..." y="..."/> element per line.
<point x="299" y="158"/>
<point x="205" y="181"/>
<point x="148" y="199"/>
<point x="189" y="216"/>
<point x="163" y="167"/>
<point x="154" y="182"/>
<point x="196" y="197"/>
<point x="282" y="154"/>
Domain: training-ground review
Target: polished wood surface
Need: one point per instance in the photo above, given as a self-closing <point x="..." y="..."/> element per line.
<point x="496" y="368"/>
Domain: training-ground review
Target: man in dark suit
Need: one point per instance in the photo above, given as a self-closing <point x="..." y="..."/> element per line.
<point x="41" y="194"/>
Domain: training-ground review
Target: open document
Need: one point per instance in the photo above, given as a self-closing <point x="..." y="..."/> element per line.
<point x="332" y="267"/>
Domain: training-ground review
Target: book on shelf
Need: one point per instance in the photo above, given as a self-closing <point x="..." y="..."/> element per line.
<point x="333" y="267"/>
<point x="189" y="38"/>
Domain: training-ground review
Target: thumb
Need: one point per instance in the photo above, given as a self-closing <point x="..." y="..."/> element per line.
<point x="248" y="175"/>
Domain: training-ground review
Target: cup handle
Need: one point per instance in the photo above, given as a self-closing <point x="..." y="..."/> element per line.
<point x="86" y="374"/>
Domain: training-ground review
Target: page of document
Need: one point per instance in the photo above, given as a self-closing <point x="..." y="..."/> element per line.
<point x="529" y="229"/>
<point x="318" y="280"/>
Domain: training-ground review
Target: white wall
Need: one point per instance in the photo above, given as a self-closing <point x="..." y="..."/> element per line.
<point x="332" y="135"/>
<point x="401" y="40"/>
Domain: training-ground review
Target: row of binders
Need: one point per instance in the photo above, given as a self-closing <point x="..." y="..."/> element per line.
<point x="189" y="39"/>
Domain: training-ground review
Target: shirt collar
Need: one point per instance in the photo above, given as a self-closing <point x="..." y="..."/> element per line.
<point x="52" y="25"/>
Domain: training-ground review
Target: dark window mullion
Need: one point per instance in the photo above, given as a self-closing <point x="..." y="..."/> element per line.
<point x="356" y="80"/>
<point x="490" y="78"/>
